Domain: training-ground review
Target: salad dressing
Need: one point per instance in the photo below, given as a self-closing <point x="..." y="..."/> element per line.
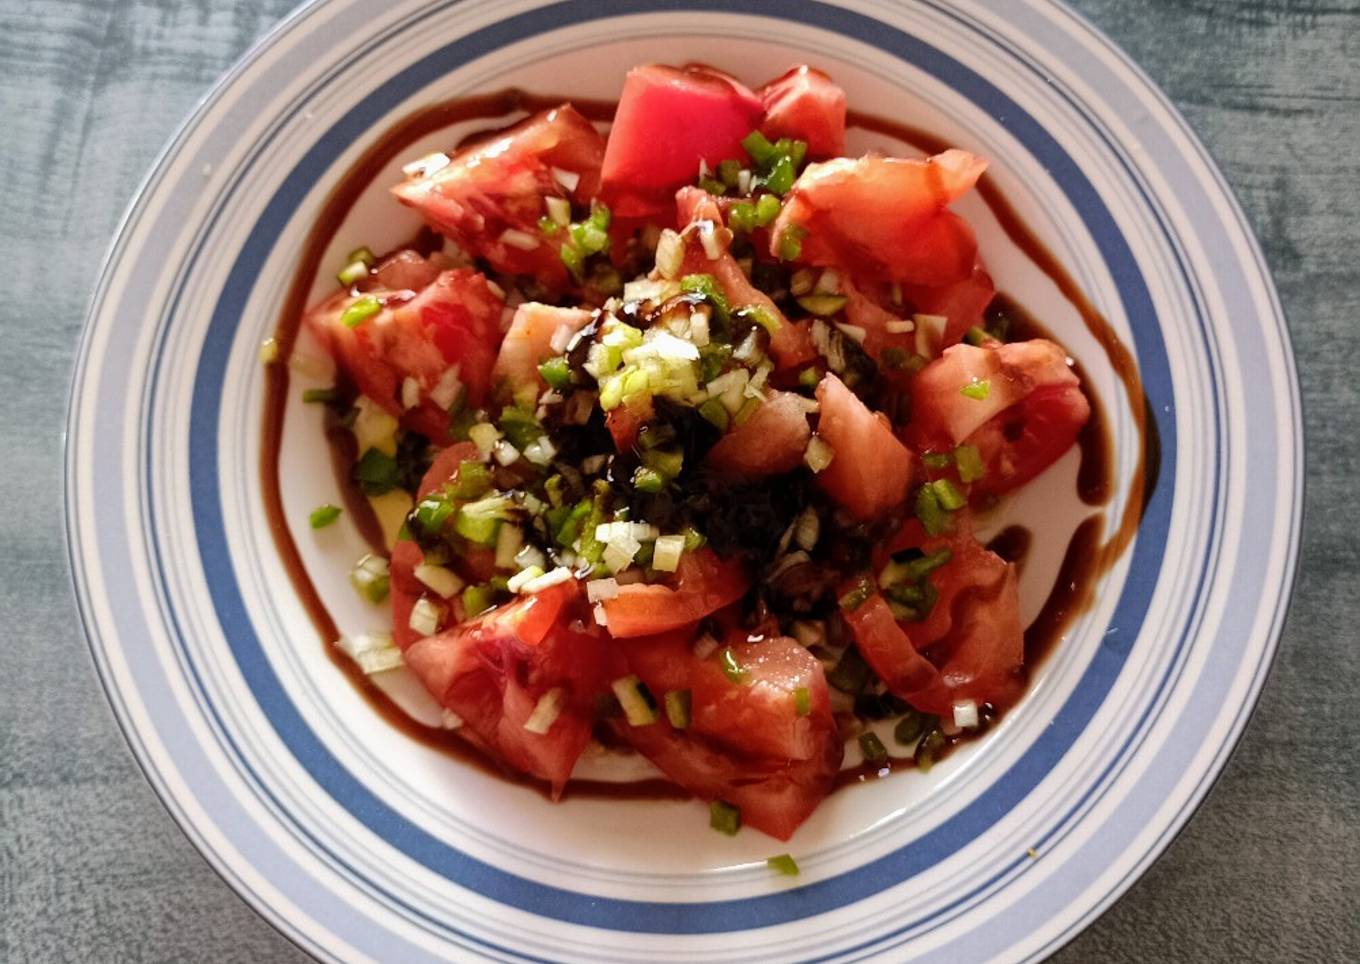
<point x="1086" y="559"/>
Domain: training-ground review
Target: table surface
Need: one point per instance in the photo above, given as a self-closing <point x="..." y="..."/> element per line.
<point x="92" y="868"/>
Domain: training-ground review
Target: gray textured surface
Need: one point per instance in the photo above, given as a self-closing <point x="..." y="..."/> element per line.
<point x="91" y="868"/>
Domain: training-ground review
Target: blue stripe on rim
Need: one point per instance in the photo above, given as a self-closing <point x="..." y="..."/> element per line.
<point x="645" y="916"/>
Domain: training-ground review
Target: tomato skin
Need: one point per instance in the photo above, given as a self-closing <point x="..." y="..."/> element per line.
<point x="493" y="670"/>
<point x="624" y="424"/>
<point x="500" y="183"/>
<point x="1032" y="413"/>
<point x="529" y="343"/>
<point x="453" y="320"/>
<point x="889" y="651"/>
<point x="772" y="441"/>
<point x="746" y="743"/>
<point x="885" y="218"/>
<point x="871" y="469"/>
<point x="805" y="104"/>
<point x="703" y="584"/>
<point x="695" y="204"/>
<point x="963" y="302"/>
<point x="791" y="346"/>
<point x="667" y="121"/>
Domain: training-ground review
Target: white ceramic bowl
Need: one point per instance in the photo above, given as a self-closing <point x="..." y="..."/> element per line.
<point x="356" y="841"/>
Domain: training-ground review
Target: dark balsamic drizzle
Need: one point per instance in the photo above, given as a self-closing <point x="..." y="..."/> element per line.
<point x="1086" y="558"/>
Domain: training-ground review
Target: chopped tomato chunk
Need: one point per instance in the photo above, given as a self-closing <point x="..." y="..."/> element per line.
<point x="871" y="469"/>
<point x="770" y="442"/>
<point x="529" y="343"/>
<point x="669" y="120"/>
<point x="703" y="584"/>
<point x="806" y="105"/>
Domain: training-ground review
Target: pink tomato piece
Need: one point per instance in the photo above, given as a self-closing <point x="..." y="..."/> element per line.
<point x="703" y="584"/>
<point x="870" y="470"/>
<point x="772" y="441"/>
<point x="669" y="120"/>
<point x="529" y="342"/>
<point x="806" y="105"/>
<point x="490" y="195"/>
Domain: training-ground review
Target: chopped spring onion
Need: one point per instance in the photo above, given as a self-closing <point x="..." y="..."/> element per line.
<point x="519" y="580"/>
<point x="705" y="646"/>
<point x="472" y="481"/>
<point x="477" y="600"/>
<point x="619" y="552"/>
<point x="948" y="494"/>
<point x="670" y="254"/>
<point x="935" y="460"/>
<point x="521" y="240"/>
<point x="976" y="336"/>
<point x="969" y="462"/>
<point x="819" y="454"/>
<point x="540" y="451"/>
<point x="713" y="186"/>
<point x="556" y="372"/>
<point x="639" y="708"/>
<point x="364" y="254"/>
<point x="425" y="617"/>
<point x="546" y="711"/>
<point x="966" y="714"/>
<point x="716" y="413"/>
<point x="509" y="539"/>
<point x="553" y="577"/>
<point x="448" y="389"/>
<point x="694" y="539"/>
<point x="854" y="332"/>
<point x="530" y="555"/>
<point x="479" y="521"/>
<point x="732" y="669"/>
<point x="767" y="209"/>
<point x="900" y="327"/>
<point x="377" y="472"/>
<point x="857" y="596"/>
<point x="360" y="311"/>
<point x="599" y="590"/>
<point x="934" y="517"/>
<point x="666" y="553"/>
<point x="370" y="578"/>
<point x="410" y="393"/>
<point x="929" y="333"/>
<point x="822" y="305"/>
<point x="374" y="427"/>
<point x="909" y="729"/>
<point x="373" y="652"/>
<point x="269" y="351"/>
<point x="568" y="179"/>
<point x="929" y="749"/>
<point x="748" y="408"/>
<point x="352" y="273"/>
<point x="872" y="747"/>
<point x="559" y="210"/>
<point x="505" y="453"/>
<point x="484" y="436"/>
<point x="678" y="708"/>
<point x="783" y="864"/>
<point x="729" y="171"/>
<point x="791" y="242"/>
<point x="978" y="389"/>
<point x="802" y="701"/>
<point x="312" y="396"/>
<point x="439" y="579"/>
<point x="641" y="531"/>
<point x="724" y="818"/>
<point x="323" y="515"/>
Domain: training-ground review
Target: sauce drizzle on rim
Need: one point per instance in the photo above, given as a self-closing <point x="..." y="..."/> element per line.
<point x="1086" y="559"/>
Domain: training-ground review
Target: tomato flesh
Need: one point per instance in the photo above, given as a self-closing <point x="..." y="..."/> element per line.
<point x="806" y="105"/>
<point x="703" y="584"/>
<point x="871" y="469"/>
<point x="772" y="441"/>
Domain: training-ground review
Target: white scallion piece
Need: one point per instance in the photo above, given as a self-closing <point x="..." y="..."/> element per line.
<point x="620" y="552"/>
<point x="505" y="453"/>
<point x="559" y="210"/>
<point x="373" y="427"/>
<point x="600" y="618"/>
<point x="495" y="289"/>
<point x="540" y="451"/>
<point x="568" y="179"/>
<point x="807" y="529"/>
<point x="900" y="327"/>
<point x="519" y="580"/>
<point x="829" y="283"/>
<point x="447" y="389"/>
<point x="670" y="254"/>
<point x="546" y="711"/>
<point x="698" y="328"/>
<point x="705" y="646"/>
<point x="372" y="652"/>
<point x="637" y="708"/>
<point x="269" y="351"/>
<point x="708" y="237"/>
<point x="854" y="332"/>
<point x="598" y="590"/>
<point x="553" y="577"/>
<point x="484" y="435"/>
<point x="966" y="714"/>
<point x="425" y="617"/>
<point x="801" y="282"/>
<point x="509" y="539"/>
<point x="641" y="531"/>
<point x="515" y="238"/>
<point x="819" y="454"/>
<point x="410" y="392"/>
<point x="666" y="553"/>
<point x="809" y="632"/>
<point x="530" y="555"/>
<point x="744" y="181"/>
<point x="929" y="333"/>
<point x="593" y="464"/>
<point x="439" y="579"/>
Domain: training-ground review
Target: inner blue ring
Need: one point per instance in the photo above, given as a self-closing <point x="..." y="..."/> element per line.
<point x="646" y="916"/>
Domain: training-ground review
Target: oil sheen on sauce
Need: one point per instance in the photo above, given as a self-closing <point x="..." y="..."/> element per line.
<point x="1089" y="554"/>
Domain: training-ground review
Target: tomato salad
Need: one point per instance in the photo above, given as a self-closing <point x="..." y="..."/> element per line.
<point x="680" y="432"/>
